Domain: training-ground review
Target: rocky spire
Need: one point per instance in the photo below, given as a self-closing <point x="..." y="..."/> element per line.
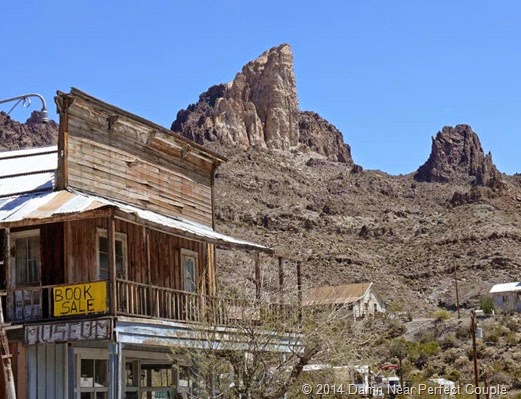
<point x="259" y="108"/>
<point x="457" y="155"/>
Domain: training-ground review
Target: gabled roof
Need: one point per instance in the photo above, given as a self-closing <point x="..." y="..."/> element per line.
<point x="337" y="294"/>
<point x="29" y="170"/>
<point x="506" y="287"/>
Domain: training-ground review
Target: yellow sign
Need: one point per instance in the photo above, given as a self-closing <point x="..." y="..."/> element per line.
<point x="70" y="300"/>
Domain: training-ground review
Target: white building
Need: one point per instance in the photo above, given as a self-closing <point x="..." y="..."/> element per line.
<point x="361" y="298"/>
<point x="507" y="296"/>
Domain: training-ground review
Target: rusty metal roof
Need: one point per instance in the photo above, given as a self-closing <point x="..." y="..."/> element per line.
<point x="337" y="294"/>
<point x="44" y="207"/>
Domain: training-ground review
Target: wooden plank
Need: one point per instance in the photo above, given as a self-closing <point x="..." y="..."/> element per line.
<point x="192" y="213"/>
<point x="119" y="137"/>
<point x="83" y="129"/>
<point x="258" y="276"/>
<point x="21" y="370"/>
<point x="299" y="289"/>
<point x="60" y="367"/>
<point x="41" y="368"/>
<point x="52" y="370"/>
<point x="32" y="371"/>
<point x="281" y="281"/>
<point x="8" y="272"/>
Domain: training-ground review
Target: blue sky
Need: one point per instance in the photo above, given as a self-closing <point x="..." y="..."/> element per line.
<point x="388" y="74"/>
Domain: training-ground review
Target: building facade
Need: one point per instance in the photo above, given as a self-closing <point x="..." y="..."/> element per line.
<point x="108" y="256"/>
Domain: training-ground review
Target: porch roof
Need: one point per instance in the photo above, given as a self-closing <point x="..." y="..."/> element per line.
<point x="48" y="207"/>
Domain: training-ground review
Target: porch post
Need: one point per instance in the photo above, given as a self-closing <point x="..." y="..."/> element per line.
<point x="7" y="269"/>
<point x="71" y="370"/>
<point x="150" y="301"/>
<point x="281" y="282"/>
<point x="258" y="276"/>
<point x="115" y="375"/>
<point x="299" y="290"/>
<point x="111" y="235"/>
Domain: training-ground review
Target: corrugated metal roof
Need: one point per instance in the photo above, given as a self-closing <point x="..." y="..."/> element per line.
<point x="31" y="170"/>
<point x="506" y="287"/>
<point x="338" y="294"/>
<point x="48" y="205"/>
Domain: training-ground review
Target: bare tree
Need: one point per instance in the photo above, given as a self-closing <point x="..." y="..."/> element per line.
<point x="259" y="349"/>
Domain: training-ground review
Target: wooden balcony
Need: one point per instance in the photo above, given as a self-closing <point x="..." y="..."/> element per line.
<point x="134" y="299"/>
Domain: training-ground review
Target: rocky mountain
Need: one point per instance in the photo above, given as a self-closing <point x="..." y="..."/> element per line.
<point x="259" y="108"/>
<point x="15" y="135"/>
<point x="457" y="155"/>
<point x="299" y="195"/>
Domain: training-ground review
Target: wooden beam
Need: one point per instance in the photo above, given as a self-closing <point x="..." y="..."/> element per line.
<point x="151" y="302"/>
<point x="67" y="246"/>
<point x="6" y="358"/>
<point x="8" y="272"/>
<point x="63" y="104"/>
<point x="258" y="276"/>
<point x="111" y="238"/>
<point x="299" y="290"/>
<point x="281" y="282"/>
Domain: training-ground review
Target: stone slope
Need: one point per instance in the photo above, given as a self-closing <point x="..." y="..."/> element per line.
<point x="404" y="235"/>
<point x="457" y="155"/>
<point x="15" y="135"/>
<point x="259" y="108"/>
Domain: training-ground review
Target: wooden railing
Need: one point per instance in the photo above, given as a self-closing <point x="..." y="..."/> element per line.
<point x="149" y="301"/>
<point x="29" y="303"/>
<point x="137" y="299"/>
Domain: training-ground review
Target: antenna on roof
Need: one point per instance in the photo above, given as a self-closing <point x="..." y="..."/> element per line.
<point x="26" y="100"/>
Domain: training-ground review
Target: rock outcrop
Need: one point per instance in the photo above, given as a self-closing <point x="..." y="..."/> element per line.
<point x="15" y="135"/>
<point x="259" y="108"/>
<point x="457" y="155"/>
<point x="322" y="137"/>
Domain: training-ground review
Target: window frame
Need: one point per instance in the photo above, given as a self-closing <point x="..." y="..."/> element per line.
<point x="89" y="354"/>
<point x="12" y="239"/>
<point x="194" y="254"/>
<point x="101" y="232"/>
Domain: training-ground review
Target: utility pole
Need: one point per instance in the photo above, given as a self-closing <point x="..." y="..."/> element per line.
<point x="474" y="352"/>
<point x="6" y="358"/>
<point x="457" y="292"/>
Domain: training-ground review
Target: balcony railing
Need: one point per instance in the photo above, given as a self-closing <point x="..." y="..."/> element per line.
<point x="149" y="301"/>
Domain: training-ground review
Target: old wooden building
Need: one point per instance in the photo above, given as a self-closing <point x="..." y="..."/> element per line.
<point x="108" y="255"/>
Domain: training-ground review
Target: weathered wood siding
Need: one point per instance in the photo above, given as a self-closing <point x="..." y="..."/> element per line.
<point x="46" y="371"/>
<point x="165" y="255"/>
<point x="125" y="162"/>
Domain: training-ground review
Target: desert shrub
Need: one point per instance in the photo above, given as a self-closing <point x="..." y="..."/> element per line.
<point x="442" y="314"/>
<point x="395" y="328"/>
<point x="449" y="341"/>
<point x="418" y="352"/>
<point x="486" y="304"/>
<point x="463" y="331"/>
<point x="453" y="375"/>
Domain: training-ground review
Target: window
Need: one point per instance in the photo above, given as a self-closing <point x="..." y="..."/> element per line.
<point x="149" y="379"/>
<point x="190" y="266"/>
<point x="92" y="376"/>
<point x="103" y="254"/>
<point x="27" y="257"/>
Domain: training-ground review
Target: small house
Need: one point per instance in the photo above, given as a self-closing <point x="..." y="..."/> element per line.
<point x="360" y="299"/>
<point x="507" y="296"/>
